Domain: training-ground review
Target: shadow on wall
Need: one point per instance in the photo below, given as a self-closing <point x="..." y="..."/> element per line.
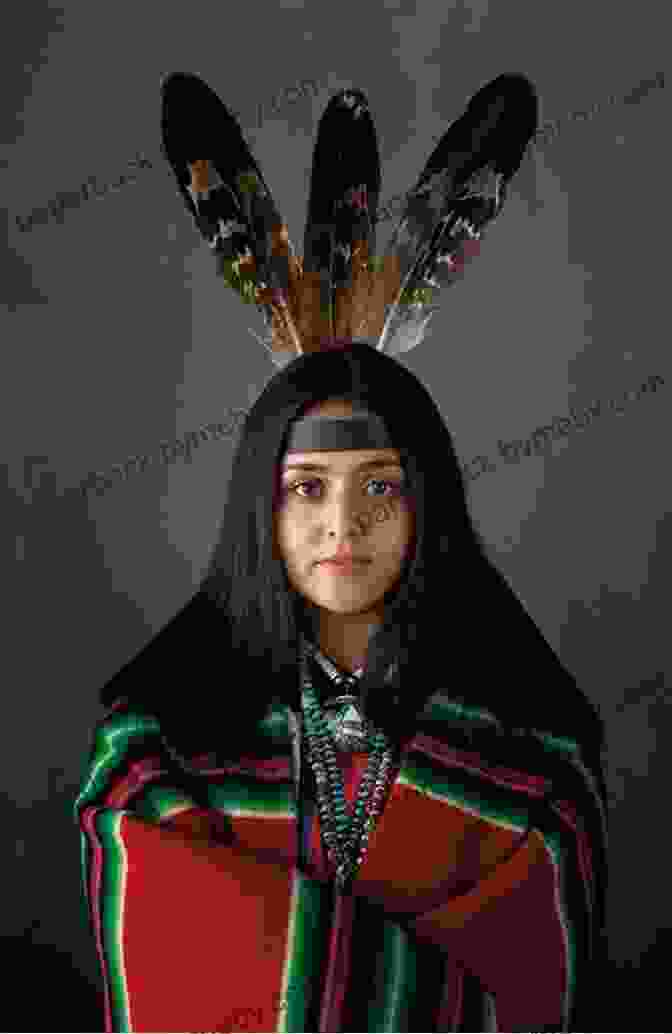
<point x="637" y="997"/>
<point x="63" y="999"/>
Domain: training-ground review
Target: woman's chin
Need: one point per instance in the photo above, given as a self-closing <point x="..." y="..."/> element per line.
<point x="340" y="604"/>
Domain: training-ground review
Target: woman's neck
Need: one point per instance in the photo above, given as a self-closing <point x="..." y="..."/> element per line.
<point x="345" y="638"/>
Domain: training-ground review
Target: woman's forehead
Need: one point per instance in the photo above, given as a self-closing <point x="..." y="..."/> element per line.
<point x="330" y="407"/>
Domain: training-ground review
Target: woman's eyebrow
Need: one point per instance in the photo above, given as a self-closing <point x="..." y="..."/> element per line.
<point x="368" y="465"/>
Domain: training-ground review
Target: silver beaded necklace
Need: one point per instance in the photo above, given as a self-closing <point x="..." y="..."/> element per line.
<point x="339" y="724"/>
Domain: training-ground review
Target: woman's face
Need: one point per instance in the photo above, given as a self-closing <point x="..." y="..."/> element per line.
<point x="364" y="508"/>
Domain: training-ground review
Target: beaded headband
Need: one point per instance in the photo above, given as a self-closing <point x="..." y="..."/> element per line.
<point x="340" y="290"/>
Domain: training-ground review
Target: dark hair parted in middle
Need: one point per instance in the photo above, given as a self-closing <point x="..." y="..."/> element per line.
<point x="247" y="577"/>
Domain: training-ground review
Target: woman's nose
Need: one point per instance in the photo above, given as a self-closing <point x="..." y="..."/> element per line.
<point x="344" y="515"/>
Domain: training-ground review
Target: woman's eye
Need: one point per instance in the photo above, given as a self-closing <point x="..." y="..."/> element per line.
<point x="299" y="484"/>
<point x="393" y="485"/>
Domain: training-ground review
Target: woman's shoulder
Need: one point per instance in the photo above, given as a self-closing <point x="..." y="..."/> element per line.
<point x="444" y="715"/>
<point x="561" y="741"/>
<point x="129" y="726"/>
<point x="458" y="722"/>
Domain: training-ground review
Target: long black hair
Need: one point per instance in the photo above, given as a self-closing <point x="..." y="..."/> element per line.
<point x="453" y="624"/>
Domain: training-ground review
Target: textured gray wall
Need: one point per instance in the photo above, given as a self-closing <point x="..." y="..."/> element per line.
<point x="117" y="337"/>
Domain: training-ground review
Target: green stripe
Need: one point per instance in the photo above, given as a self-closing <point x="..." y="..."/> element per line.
<point x="255" y="797"/>
<point x="237" y="797"/>
<point x="439" y="707"/>
<point x="108" y="825"/>
<point x="449" y="788"/>
<point x="307" y="951"/>
<point x="558" y="744"/>
<point x="396" y="981"/>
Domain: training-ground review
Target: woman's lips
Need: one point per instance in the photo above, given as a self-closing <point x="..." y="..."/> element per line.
<point x="350" y="567"/>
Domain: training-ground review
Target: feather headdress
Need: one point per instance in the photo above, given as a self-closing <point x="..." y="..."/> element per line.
<point x="340" y="290"/>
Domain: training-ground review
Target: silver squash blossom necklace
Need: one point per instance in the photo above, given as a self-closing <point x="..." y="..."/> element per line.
<point x="338" y="723"/>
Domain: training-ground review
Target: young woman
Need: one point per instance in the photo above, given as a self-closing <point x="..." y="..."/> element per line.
<point x="349" y="786"/>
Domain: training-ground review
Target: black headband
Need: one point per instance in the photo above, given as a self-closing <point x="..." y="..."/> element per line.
<point x="363" y="430"/>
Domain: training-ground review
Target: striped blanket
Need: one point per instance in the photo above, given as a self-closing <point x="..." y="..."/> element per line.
<point x="480" y="904"/>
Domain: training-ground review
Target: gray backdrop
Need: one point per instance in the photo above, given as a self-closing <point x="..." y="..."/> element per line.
<point x="118" y="340"/>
